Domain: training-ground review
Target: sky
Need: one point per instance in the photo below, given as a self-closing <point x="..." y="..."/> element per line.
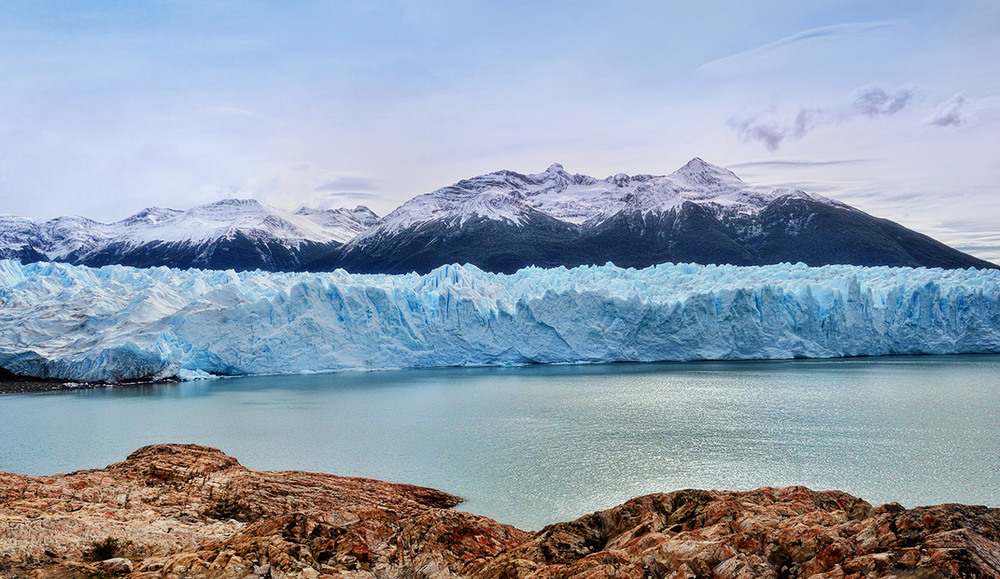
<point x="107" y="108"/>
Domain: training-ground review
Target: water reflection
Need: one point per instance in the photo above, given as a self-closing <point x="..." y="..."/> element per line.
<point x="532" y="445"/>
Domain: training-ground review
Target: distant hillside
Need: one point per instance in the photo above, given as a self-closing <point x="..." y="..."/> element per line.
<point x="238" y="234"/>
<point x="501" y="222"/>
<point x="701" y="213"/>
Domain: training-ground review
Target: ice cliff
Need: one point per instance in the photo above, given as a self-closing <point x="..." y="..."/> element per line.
<point x="118" y="323"/>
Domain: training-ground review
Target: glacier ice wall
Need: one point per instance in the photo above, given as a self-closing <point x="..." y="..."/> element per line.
<point x="118" y="323"/>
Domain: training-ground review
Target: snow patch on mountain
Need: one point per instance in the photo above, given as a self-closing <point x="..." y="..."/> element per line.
<point x="225" y="218"/>
<point x="149" y="216"/>
<point x="55" y="238"/>
<point x="341" y="224"/>
<point x="17" y="232"/>
<point x="581" y="199"/>
<point x="58" y="238"/>
<point x="501" y="196"/>
<point x="118" y="323"/>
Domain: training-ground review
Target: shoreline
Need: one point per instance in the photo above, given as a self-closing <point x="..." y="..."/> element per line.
<point x="33" y="385"/>
<point x="184" y="510"/>
<point x="15" y="386"/>
<point x="11" y="383"/>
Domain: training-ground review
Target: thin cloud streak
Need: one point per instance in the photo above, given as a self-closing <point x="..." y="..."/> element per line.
<point x="360" y="195"/>
<point x="347" y="184"/>
<point x="796" y="163"/>
<point x="741" y="62"/>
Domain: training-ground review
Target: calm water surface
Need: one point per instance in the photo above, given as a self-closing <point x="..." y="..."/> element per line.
<point x="531" y="446"/>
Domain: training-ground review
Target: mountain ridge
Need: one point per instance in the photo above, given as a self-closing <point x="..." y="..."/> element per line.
<point x="502" y="221"/>
<point x="701" y="213"/>
<point x="230" y="233"/>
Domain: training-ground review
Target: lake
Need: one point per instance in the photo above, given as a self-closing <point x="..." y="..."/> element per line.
<point x="535" y="445"/>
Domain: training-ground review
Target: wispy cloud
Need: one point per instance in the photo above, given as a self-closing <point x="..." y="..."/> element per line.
<point x="971" y="238"/>
<point x="951" y="113"/>
<point x="351" y="184"/>
<point x="771" y="132"/>
<point x="792" y="163"/>
<point x="753" y="129"/>
<point x="771" y="128"/>
<point x="349" y="195"/>
<point x="307" y="185"/>
<point x="755" y="58"/>
<point x="876" y="101"/>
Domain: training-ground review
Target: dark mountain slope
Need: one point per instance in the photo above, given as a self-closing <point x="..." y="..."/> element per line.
<point x="503" y="221"/>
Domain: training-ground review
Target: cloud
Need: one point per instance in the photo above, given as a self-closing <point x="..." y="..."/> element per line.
<point x="972" y="237"/>
<point x="751" y="129"/>
<point x="876" y="101"/>
<point x="807" y="120"/>
<point x="795" y="163"/>
<point x="950" y="113"/>
<point x="771" y="132"/>
<point x="349" y="184"/>
<point x="351" y="195"/>
<point x="298" y="185"/>
<point x="813" y="187"/>
<point x="900" y="199"/>
<point x="765" y="56"/>
<point x="772" y="129"/>
<point x="232" y="192"/>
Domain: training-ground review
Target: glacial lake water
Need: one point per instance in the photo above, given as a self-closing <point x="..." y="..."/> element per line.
<point x="535" y="445"/>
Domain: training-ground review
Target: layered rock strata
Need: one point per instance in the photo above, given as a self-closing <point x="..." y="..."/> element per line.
<point x="178" y="511"/>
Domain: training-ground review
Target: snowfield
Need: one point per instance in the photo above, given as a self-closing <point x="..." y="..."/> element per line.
<point x="117" y="323"/>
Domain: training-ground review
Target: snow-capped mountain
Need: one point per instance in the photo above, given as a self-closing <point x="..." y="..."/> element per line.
<point x="580" y="199"/>
<point x="701" y="213"/>
<point x="233" y="233"/>
<point x="342" y="224"/>
<point x="501" y="222"/>
<point x="59" y="239"/>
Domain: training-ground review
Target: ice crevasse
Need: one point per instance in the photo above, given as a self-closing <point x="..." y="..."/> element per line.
<point x="117" y="323"/>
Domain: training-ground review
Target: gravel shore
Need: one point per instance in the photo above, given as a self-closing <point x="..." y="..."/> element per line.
<point x="20" y="386"/>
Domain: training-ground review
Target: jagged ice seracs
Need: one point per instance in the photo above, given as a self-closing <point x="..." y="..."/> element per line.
<point x="117" y="323"/>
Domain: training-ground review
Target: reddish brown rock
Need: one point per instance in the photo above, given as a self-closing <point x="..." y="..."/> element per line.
<point x="191" y="511"/>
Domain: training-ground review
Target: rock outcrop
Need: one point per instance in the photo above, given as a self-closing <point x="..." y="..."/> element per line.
<point x="191" y="511"/>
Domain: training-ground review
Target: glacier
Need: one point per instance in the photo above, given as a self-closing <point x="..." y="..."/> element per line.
<point x="115" y="323"/>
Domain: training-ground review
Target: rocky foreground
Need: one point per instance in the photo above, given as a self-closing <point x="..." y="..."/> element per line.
<point x="192" y="511"/>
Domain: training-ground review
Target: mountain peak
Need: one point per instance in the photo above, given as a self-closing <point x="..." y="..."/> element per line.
<point x="235" y="202"/>
<point x="149" y="216"/>
<point x="699" y="172"/>
<point x="500" y="220"/>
